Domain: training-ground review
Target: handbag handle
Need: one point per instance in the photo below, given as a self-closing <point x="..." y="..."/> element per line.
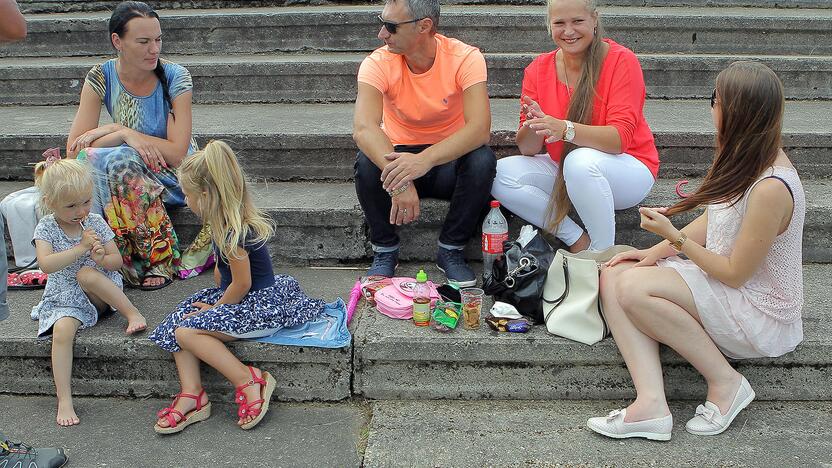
<point x="562" y="297"/>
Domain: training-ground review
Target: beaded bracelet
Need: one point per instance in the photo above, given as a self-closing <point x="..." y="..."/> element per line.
<point x="399" y="191"/>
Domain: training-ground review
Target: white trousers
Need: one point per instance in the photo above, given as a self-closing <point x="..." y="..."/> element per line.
<point x="21" y="212"/>
<point x="598" y="183"/>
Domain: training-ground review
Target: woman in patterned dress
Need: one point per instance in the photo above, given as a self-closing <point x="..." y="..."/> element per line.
<point x="135" y="157"/>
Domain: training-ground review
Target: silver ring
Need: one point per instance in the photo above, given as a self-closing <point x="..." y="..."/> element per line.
<point x="404" y="211"/>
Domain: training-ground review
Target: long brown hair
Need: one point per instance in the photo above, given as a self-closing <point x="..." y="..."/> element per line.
<point x="580" y="109"/>
<point x="750" y="98"/>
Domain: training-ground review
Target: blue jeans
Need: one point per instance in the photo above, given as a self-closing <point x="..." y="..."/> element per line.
<point x="4" y="270"/>
<point x="465" y="181"/>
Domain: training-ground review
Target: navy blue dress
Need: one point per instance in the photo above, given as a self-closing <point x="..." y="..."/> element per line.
<point x="272" y="303"/>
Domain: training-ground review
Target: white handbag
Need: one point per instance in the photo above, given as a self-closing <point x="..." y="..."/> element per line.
<point x="571" y="305"/>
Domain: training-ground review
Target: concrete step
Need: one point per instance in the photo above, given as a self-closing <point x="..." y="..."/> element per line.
<point x="108" y="363"/>
<point x="51" y="6"/>
<point x="322" y="223"/>
<point x="392" y="359"/>
<point x="554" y="433"/>
<point x="331" y="77"/>
<point x="354" y="28"/>
<point x="313" y="141"/>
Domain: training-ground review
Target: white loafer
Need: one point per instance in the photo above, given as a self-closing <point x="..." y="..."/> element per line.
<point x="613" y="425"/>
<point x="710" y="421"/>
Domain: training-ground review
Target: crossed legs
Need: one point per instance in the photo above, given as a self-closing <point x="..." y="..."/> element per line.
<point x="646" y="306"/>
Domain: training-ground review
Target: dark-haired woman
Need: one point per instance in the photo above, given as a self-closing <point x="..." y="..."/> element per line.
<point x="149" y="100"/>
<point x="584" y="103"/>
<point x="739" y="292"/>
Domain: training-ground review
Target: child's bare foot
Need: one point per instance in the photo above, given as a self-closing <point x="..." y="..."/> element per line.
<point x="66" y="414"/>
<point x="136" y="323"/>
<point x="183" y="405"/>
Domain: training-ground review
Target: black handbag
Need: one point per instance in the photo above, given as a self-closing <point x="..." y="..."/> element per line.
<point x="519" y="274"/>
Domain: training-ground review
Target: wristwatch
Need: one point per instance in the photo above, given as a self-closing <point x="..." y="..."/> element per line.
<point x="569" y="131"/>
<point x="677" y="244"/>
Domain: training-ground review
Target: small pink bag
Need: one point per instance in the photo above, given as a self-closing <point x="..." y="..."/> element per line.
<point x="396" y="300"/>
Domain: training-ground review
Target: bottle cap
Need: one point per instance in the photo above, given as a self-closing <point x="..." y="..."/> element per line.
<point x="421" y="277"/>
<point x="495" y="204"/>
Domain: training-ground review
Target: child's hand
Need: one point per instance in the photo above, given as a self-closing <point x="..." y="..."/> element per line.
<point x="200" y="307"/>
<point x="97" y="253"/>
<point x="89" y="239"/>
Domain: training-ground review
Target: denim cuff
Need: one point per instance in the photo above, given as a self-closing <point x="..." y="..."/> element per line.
<point x="381" y="249"/>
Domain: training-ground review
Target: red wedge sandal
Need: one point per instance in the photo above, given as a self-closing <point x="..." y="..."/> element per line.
<point x="200" y="413"/>
<point x="244" y="408"/>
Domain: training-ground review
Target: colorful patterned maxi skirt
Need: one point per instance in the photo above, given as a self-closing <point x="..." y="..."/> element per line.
<point x="132" y="199"/>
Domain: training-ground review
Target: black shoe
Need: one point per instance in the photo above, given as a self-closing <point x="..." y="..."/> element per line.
<point x="384" y="264"/>
<point x="13" y="454"/>
<point x="452" y="263"/>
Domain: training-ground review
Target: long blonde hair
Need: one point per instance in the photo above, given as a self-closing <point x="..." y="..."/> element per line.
<point x="62" y="179"/>
<point x="214" y="176"/>
<point x="580" y="109"/>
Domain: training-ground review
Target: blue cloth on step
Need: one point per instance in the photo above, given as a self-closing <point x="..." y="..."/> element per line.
<point x="328" y="330"/>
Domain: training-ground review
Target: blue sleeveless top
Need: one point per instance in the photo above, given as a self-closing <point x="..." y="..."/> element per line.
<point x="262" y="274"/>
<point x="145" y="114"/>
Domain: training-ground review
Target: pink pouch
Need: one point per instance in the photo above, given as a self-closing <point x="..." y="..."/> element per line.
<point x="396" y="300"/>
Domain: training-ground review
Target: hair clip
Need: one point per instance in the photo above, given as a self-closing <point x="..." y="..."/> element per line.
<point x="51" y="156"/>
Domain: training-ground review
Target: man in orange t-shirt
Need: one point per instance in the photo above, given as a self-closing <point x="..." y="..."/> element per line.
<point x="422" y="124"/>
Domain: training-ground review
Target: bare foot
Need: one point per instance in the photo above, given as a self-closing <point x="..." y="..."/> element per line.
<point x="184" y="405"/>
<point x="581" y="244"/>
<point x="136" y="323"/>
<point x="66" y="414"/>
<point x="253" y="392"/>
<point x="153" y="281"/>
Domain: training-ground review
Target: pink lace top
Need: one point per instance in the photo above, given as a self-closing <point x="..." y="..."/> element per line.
<point x="776" y="288"/>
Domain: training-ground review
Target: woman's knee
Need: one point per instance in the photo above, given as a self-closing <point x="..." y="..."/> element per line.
<point x="629" y="289"/>
<point x="581" y="163"/>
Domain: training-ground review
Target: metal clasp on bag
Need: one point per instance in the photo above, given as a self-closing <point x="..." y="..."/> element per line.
<point x="524" y="263"/>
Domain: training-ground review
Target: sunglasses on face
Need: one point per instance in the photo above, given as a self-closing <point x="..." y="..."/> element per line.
<point x="713" y="98"/>
<point x="391" y="27"/>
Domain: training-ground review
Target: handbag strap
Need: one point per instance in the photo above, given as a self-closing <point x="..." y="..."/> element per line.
<point x="562" y="297"/>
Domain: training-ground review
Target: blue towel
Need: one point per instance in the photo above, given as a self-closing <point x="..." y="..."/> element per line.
<point x="329" y="330"/>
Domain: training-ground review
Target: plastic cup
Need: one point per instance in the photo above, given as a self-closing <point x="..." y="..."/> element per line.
<point x="471" y="307"/>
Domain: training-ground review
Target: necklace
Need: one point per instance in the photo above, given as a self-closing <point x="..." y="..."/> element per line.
<point x="566" y="77"/>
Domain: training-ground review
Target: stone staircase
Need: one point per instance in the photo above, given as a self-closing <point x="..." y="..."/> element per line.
<point x="276" y="82"/>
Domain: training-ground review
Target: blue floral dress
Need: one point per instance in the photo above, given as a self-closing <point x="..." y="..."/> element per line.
<point x="63" y="296"/>
<point x="272" y="303"/>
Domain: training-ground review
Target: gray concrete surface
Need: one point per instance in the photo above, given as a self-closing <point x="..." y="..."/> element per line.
<point x="553" y="434"/>
<point x="50" y="6"/>
<point x="330" y="77"/>
<point x="396" y="360"/>
<point x="354" y="28"/>
<point x="323" y="222"/>
<point x="313" y="141"/>
<point x="109" y="363"/>
<point x="119" y="433"/>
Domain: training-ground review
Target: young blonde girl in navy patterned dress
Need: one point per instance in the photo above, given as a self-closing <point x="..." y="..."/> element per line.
<point x="77" y="250"/>
<point x="248" y="302"/>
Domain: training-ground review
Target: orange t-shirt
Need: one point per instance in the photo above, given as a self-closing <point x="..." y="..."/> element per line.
<point x="426" y="108"/>
<point x="619" y="101"/>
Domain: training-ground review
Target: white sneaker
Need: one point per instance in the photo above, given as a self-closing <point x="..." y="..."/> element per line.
<point x="710" y="421"/>
<point x="613" y="425"/>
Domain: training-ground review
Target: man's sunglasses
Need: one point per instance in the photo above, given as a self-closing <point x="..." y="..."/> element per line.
<point x="713" y="98"/>
<point x="391" y="27"/>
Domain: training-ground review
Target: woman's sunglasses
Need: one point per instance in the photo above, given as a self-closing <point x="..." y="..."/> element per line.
<point x="391" y="27"/>
<point x="713" y="98"/>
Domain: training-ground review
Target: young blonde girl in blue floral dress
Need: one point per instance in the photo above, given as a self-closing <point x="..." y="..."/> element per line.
<point x="248" y="302"/>
<point x="77" y="250"/>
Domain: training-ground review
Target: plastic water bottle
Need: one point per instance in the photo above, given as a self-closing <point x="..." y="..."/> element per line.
<point x="494" y="233"/>
<point x="421" y="300"/>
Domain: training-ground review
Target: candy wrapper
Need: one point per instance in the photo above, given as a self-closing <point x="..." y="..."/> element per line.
<point x="371" y="284"/>
<point x="445" y="316"/>
<point x="500" y="324"/>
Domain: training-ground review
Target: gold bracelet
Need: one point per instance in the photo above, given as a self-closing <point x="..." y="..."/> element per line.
<point x="399" y="191"/>
<point x="678" y="243"/>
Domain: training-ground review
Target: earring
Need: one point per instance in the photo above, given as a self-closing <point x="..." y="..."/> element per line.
<point x="595" y="31"/>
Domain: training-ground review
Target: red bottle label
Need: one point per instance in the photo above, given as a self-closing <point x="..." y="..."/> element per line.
<point x="493" y="243"/>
